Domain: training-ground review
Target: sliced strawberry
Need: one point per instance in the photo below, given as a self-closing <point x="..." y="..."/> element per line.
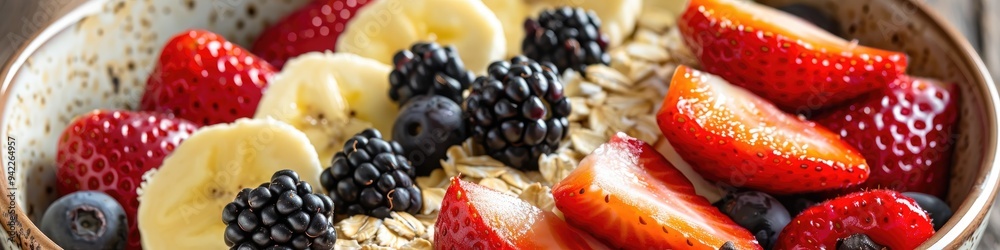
<point x="205" y="79"/>
<point x="476" y="217"/>
<point x="887" y="217"/>
<point x="314" y="27"/>
<point x="628" y="195"/>
<point x="730" y="135"/>
<point x="110" y="151"/>
<point x="782" y="58"/>
<point x="904" y="132"/>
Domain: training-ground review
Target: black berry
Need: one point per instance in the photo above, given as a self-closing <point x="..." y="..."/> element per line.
<point x="568" y="37"/>
<point x="428" y="69"/>
<point x="426" y="127"/>
<point x="858" y="242"/>
<point x="797" y="203"/>
<point x="758" y="212"/>
<point x="86" y="220"/>
<point x="371" y="176"/>
<point x="934" y="206"/>
<point x="280" y="214"/>
<point x="728" y="246"/>
<point x="517" y="112"/>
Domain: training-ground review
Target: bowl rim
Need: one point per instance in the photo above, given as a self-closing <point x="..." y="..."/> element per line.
<point x="973" y="211"/>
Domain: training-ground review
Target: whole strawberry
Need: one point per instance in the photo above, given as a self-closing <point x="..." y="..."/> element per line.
<point x="203" y="78"/>
<point x="872" y="219"/>
<point x="314" y="27"/>
<point x="109" y="151"/>
<point x="904" y="132"/>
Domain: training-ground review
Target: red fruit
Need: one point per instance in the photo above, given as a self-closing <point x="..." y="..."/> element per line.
<point x="904" y="132"/>
<point x="782" y="58"/>
<point x="476" y="217"/>
<point x="314" y="27"/>
<point x="205" y="79"/>
<point x="628" y="195"/>
<point x="887" y="217"/>
<point x="109" y="151"/>
<point x="730" y="135"/>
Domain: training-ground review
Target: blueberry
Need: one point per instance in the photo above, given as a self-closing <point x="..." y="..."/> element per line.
<point x="935" y="207"/>
<point x="796" y="204"/>
<point x="812" y="15"/>
<point x="426" y="127"/>
<point x="86" y="220"/>
<point x="758" y="212"/>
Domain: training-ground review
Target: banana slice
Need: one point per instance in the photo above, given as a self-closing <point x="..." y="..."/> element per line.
<point x="384" y="27"/>
<point x="618" y="17"/>
<point x="512" y="14"/>
<point x="182" y="204"/>
<point x="674" y="7"/>
<point x="364" y="84"/>
<point x="330" y="97"/>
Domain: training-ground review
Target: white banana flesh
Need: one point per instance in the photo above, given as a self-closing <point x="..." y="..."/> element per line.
<point x="385" y="27"/>
<point x="330" y="97"/>
<point x="182" y="204"/>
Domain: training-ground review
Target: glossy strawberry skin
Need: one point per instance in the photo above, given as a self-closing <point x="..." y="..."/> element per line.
<point x="905" y="133"/>
<point x="109" y="151"/>
<point x="786" y="60"/>
<point x="476" y="217"/>
<point x="205" y="79"/>
<point x="314" y="27"/>
<point x="731" y="136"/>
<point x="889" y="218"/>
<point x="629" y="196"/>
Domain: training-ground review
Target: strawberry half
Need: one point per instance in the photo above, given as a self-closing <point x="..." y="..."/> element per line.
<point x="730" y="135"/>
<point x="782" y="58"/>
<point x="205" y="79"/>
<point x="887" y="217"/>
<point x="904" y="132"/>
<point x="314" y="27"/>
<point x="629" y="196"/>
<point x="110" y="151"/>
<point x="476" y="217"/>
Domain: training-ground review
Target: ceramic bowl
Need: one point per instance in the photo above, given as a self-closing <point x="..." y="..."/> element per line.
<point x="99" y="55"/>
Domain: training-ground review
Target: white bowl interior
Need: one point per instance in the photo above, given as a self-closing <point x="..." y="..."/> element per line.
<point x="103" y="61"/>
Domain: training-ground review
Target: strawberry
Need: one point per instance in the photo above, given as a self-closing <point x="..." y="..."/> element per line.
<point x="314" y="27"/>
<point x="205" y="79"/>
<point x="476" y="217"/>
<point x="904" y="132"/>
<point x="730" y="135"/>
<point x="110" y="151"/>
<point x="886" y="217"/>
<point x="784" y="59"/>
<point x="629" y="196"/>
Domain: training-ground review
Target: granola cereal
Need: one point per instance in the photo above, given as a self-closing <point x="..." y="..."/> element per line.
<point x="621" y="97"/>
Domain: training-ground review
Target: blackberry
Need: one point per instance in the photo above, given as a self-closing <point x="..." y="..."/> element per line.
<point x="281" y="214"/>
<point x="428" y="69"/>
<point x="518" y="112"/>
<point x="568" y="37"/>
<point x="371" y="176"/>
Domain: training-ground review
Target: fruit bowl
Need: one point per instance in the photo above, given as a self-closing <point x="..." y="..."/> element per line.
<point x="100" y="54"/>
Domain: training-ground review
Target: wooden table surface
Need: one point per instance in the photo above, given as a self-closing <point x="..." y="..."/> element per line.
<point x="19" y="19"/>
